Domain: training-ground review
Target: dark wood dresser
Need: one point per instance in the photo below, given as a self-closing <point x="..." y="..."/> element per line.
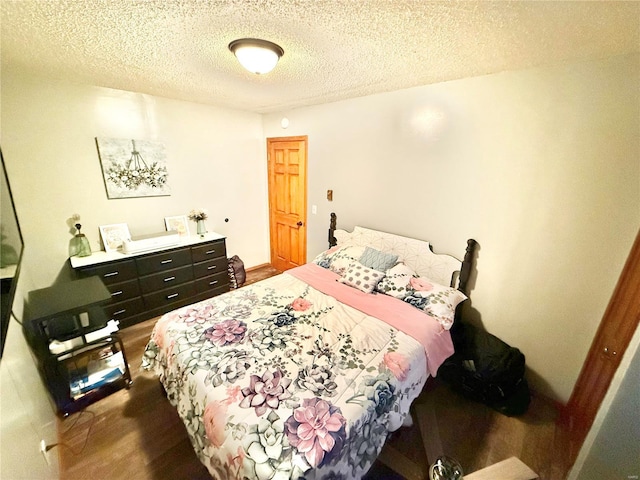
<point x="148" y="284"/>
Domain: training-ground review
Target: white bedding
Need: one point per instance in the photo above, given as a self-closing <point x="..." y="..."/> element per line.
<point x="278" y="380"/>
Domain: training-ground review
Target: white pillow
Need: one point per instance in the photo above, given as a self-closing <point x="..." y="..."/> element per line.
<point x="396" y="281"/>
<point x="434" y="299"/>
<point x="361" y="277"/>
<point x="338" y="259"/>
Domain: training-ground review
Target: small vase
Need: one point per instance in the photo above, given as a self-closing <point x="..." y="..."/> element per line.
<point x="201" y="229"/>
<point x="79" y="246"/>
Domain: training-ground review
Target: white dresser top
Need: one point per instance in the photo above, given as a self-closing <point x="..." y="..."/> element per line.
<point x="102" y="256"/>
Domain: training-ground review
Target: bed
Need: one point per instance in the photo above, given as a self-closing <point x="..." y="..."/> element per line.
<point x="303" y="375"/>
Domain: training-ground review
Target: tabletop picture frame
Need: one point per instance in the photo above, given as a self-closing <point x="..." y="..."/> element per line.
<point x="178" y="223"/>
<point x="113" y="236"/>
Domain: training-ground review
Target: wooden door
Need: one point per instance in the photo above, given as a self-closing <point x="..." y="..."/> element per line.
<point x="616" y="329"/>
<point x="287" y="170"/>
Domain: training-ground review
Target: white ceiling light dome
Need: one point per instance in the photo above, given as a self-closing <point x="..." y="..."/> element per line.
<point x="257" y="56"/>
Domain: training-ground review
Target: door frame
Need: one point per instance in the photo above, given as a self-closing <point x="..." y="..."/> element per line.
<point x="615" y="332"/>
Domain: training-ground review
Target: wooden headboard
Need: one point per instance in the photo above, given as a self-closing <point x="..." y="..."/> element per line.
<point x="416" y="254"/>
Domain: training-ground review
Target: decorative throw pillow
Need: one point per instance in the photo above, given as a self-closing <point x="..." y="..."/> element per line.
<point x="361" y="277"/>
<point x="436" y="300"/>
<point x="338" y="259"/>
<point x="378" y="260"/>
<point x="396" y="281"/>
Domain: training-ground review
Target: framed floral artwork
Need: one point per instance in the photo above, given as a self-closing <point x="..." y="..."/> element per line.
<point x="178" y="223"/>
<point x="113" y="236"/>
<point x="133" y="168"/>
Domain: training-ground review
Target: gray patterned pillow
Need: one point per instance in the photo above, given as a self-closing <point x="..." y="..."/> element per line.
<point x="378" y="260"/>
<point x="361" y="277"/>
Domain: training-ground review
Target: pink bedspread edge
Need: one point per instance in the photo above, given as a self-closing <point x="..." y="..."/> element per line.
<point x="403" y="316"/>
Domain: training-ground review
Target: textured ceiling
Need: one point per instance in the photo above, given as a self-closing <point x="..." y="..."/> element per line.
<point x="334" y="49"/>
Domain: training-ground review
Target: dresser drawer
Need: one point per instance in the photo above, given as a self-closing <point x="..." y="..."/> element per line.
<point x="169" y="295"/>
<point x="220" y="280"/>
<point x="167" y="279"/>
<point x="204" y="269"/>
<point x="208" y="251"/>
<point x="160" y="262"/>
<point x="113" y="272"/>
<point x="124" y="291"/>
<point x="126" y="309"/>
<point x="145" y="285"/>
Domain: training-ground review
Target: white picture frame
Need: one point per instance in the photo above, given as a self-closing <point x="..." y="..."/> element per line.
<point x="178" y="223"/>
<point x="113" y="236"/>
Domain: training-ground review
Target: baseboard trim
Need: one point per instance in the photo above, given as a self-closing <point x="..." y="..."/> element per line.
<point x="250" y="269"/>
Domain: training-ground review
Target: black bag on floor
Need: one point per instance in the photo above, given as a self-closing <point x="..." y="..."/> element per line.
<point x="237" y="274"/>
<point x="486" y="369"/>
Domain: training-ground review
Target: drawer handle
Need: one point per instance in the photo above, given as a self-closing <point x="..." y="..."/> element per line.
<point x="110" y="274"/>
<point x="115" y="294"/>
<point x="213" y="283"/>
<point x="209" y="252"/>
<point x="173" y="295"/>
<point x="212" y="267"/>
<point x="168" y="279"/>
<point x="119" y="312"/>
<point x="164" y="262"/>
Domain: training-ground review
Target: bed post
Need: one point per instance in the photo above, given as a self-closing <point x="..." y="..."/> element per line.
<point x="467" y="264"/>
<point x="332" y="228"/>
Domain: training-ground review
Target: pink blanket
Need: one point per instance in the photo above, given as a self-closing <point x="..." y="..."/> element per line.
<point x="403" y="316"/>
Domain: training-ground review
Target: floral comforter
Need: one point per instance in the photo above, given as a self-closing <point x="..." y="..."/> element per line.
<point x="278" y="380"/>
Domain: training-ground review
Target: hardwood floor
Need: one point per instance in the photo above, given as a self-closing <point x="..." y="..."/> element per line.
<point x="137" y="434"/>
<point x="478" y="436"/>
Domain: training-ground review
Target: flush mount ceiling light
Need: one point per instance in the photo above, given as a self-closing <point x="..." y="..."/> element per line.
<point x="257" y="56"/>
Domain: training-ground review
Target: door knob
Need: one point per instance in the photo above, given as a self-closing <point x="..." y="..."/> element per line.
<point x="299" y="224"/>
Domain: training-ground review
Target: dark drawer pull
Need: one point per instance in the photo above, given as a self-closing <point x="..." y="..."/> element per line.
<point x="213" y="283"/>
<point x="119" y="312"/>
<point x="168" y="279"/>
<point x="209" y="252"/>
<point x="164" y="262"/>
<point x="115" y="294"/>
<point x="173" y="295"/>
<point x="110" y="274"/>
<point x="212" y="267"/>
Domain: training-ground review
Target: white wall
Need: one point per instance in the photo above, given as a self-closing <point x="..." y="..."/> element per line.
<point x="216" y="160"/>
<point x="26" y="413"/>
<point x="540" y="166"/>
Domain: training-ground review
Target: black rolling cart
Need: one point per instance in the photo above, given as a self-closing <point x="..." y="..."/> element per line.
<point x="79" y="354"/>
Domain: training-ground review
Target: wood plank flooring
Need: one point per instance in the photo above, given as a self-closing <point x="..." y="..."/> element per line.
<point x="137" y="434"/>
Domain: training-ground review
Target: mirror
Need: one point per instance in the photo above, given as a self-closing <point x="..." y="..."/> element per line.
<point x="11" y="247"/>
